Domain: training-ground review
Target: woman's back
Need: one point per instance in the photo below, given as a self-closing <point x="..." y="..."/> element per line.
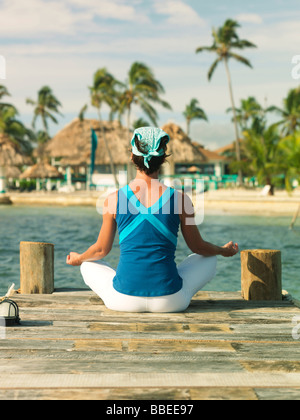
<point x="148" y="239"/>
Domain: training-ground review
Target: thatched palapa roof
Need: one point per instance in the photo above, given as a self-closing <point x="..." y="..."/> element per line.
<point x="229" y="150"/>
<point x="73" y="143"/>
<point x="209" y="155"/>
<point x="10" y="154"/>
<point x="12" y="172"/>
<point x="181" y="146"/>
<point x="41" y="170"/>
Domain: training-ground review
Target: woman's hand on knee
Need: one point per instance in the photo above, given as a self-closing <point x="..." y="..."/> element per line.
<point x="74" y="259"/>
<point x="230" y="250"/>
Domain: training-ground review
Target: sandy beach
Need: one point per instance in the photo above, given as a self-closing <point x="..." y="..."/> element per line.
<point x="241" y="201"/>
<point x="233" y="201"/>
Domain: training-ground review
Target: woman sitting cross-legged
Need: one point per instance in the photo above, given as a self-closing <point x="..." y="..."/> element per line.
<point x="148" y="216"/>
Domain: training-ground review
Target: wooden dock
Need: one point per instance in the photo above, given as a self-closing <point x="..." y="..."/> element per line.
<point x="69" y="346"/>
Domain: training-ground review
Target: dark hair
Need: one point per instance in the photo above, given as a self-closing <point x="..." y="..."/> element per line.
<point x="156" y="162"/>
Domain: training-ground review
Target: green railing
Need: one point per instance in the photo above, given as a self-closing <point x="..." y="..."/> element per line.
<point x="210" y="182"/>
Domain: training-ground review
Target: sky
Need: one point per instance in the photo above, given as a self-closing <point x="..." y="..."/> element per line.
<point x="61" y="43"/>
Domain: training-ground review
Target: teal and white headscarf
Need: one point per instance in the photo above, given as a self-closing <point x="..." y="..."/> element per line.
<point x="150" y="139"/>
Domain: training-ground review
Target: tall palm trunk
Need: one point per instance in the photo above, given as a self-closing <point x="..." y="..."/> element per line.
<point x="188" y="126"/>
<point x="237" y="144"/>
<point x="112" y="166"/>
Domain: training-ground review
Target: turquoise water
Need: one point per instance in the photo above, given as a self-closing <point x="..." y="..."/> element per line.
<point x="76" y="228"/>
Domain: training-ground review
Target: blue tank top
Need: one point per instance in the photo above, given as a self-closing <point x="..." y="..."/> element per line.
<point x="148" y="241"/>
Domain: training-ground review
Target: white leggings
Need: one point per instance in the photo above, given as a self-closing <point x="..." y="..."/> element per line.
<point x="196" y="271"/>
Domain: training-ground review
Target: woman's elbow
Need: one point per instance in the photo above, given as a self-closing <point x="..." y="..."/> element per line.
<point x="105" y="252"/>
<point x="199" y="248"/>
<point x="195" y="249"/>
<point x="100" y="251"/>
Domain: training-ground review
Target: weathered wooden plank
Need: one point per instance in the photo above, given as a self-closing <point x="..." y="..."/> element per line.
<point x="94" y="394"/>
<point x="184" y="328"/>
<point x="154" y="346"/>
<point x="131" y="394"/>
<point x="106" y="365"/>
<point x="273" y="316"/>
<point x="286" y="366"/>
<point x="31" y="344"/>
<point x="48" y="327"/>
<point x="272" y="351"/>
<point x="245" y="333"/>
<point x="221" y="394"/>
<point x="152" y="394"/>
<point x="155" y="380"/>
<point x="278" y="394"/>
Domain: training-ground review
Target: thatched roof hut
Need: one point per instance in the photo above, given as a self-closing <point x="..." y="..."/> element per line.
<point x="181" y="147"/>
<point x="73" y="143"/>
<point x="41" y="170"/>
<point x="209" y="155"/>
<point x="12" y="172"/>
<point x="229" y="150"/>
<point x="10" y="153"/>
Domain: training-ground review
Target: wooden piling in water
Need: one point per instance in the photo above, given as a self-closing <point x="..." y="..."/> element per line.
<point x="261" y="275"/>
<point x="36" y="268"/>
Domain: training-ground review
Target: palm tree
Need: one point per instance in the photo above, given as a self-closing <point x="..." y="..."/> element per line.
<point x="289" y="158"/>
<point x="250" y="115"/>
<point x="290" y="113"/>
<point x="261" y="152"/>
<point x="225" y="41"/>
<point x="103" y="92"/>
<point x="144" y="90"/>
<point x="82" y="112"/>
<point x="140" y="123"/>
<point x="45" y="107"/>
<point x="41" y="138"/>
<point x="4" y="92"/>
<point x="10" y="125"/>
<point x="193" y="112"/>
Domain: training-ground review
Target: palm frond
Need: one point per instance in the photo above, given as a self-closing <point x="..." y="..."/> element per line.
<point x="149" y="111"/>
<point x="242" y="44"/>
<point x="213" y="68"/>
<point x="240" y="59"/>
<point x="213" y="48"/>
<point x="82" y="112"/>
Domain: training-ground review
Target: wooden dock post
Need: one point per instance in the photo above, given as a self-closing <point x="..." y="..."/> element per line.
<point x="261" y="275"/>
<point x="36" y="268"/>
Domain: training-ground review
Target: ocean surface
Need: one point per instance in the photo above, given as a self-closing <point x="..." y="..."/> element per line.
<point x="76" y="228"/>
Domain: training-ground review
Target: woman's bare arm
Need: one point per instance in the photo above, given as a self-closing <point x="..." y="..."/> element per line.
<point x="193" y="237"/>
<point x="104" y="243"/>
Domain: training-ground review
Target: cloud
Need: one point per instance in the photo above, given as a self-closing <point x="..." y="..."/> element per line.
<point x="111" y="9"/>
<point x="279" y="37"/>
<point x="34" y="17"/>
<point x="213" y="135"/>
<point x="178" y="13"/>
<point x="249" y="18"/>
<point x="69" y="17"/>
